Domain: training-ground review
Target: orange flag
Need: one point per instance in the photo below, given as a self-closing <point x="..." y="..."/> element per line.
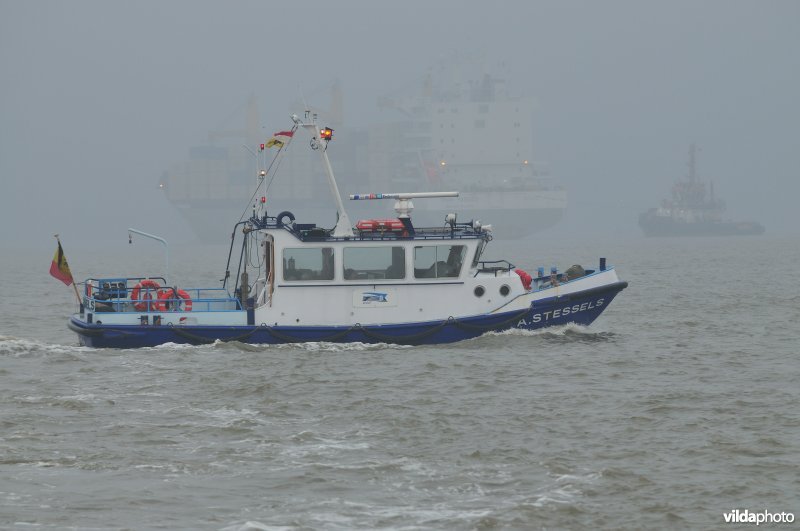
<point x="59" y="268"/>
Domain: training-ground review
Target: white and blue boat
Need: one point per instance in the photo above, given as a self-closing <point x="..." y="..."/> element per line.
<point x="380" y="281"/>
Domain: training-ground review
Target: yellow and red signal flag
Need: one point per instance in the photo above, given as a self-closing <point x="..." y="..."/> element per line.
<point x="280" y="139"/>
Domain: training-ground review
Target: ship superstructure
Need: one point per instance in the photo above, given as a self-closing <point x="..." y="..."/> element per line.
<point x="474" y="136"/>
<point x="693" y="210"/>
<point x="469" y="135"/>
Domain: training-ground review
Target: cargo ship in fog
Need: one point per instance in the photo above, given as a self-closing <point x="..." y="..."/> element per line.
<point x="693" y="210"/>
<point x="470" y="136"/>
<point x="475" y="137"/>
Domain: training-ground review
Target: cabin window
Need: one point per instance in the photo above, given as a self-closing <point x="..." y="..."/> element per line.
<point x="308" y="263"/>
<point x="438" y="261"/>
<point x="369" y="263"/>
<point x="478" y="253"/>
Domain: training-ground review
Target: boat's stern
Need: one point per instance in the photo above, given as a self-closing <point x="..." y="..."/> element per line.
<point x="138" y="312"/>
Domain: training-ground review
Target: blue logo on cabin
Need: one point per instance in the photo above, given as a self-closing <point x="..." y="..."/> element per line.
<point x="374" y="296"/>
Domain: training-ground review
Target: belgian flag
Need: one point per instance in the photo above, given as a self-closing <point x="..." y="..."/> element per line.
<point x="59" y="268"/>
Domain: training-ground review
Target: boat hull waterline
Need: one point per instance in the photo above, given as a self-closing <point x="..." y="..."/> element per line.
<point x="579" y="308"/>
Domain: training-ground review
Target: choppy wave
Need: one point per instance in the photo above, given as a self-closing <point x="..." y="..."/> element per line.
<point x="13" y="346"/>
<point x="687" y="408"/>
<point x="316" y="346"/>
<point x="563" y="333"/>
<point x="466" y="506"/>
<point x="18" y="347"/>
<point x="255" y="526"/>
<point x="166" y="347"/>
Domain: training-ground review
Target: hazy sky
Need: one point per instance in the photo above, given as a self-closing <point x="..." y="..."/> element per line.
<point x="98" y="98"/>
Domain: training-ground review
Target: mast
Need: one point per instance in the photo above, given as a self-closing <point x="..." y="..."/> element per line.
<point x="343" y="228"/>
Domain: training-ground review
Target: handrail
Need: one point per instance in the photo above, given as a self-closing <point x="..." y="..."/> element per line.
<point x="465" y="232"/>
<point x="199" y="305"/>
<point x="113" y="294"/>
<point x="482" y="263"/>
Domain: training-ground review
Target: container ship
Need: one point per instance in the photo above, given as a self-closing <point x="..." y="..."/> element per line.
<point x="470" y="136"/>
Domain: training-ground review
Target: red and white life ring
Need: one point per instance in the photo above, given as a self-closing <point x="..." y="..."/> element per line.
<point x="148" y="286"/>
<point x="175" y="300"/>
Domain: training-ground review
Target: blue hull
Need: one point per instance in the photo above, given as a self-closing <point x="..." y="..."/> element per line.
<point x="580" y="308"/>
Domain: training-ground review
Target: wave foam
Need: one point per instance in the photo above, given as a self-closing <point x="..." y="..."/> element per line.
<point x="18" y="347"/>
<point x="254" y="526"/>
<point x="314" y="346"/>
<point x="570" y="331"/>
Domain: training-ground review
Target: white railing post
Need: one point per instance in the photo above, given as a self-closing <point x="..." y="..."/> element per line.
<point x="157" y="238"/>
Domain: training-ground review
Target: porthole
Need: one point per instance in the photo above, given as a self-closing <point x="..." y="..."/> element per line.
<point x="504" y="290"/>
<point x="479" y="291"/>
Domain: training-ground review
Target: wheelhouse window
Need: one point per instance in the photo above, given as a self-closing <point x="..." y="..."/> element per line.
<point x="438" y="261"/>
<point x="368" y="263"/>
<point x="478" y="253"/>
<point x="308" y="263"/>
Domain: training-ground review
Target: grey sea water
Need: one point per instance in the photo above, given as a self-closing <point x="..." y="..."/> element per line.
<point x="681" y="403"/>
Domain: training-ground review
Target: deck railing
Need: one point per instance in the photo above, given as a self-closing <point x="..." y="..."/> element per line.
<point x="115" y="295"/>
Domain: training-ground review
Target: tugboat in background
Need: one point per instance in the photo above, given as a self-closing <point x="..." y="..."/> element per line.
<point x="691" y="213"/>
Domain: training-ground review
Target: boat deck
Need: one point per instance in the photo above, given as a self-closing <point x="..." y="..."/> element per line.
<point x="310" y="232"/>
